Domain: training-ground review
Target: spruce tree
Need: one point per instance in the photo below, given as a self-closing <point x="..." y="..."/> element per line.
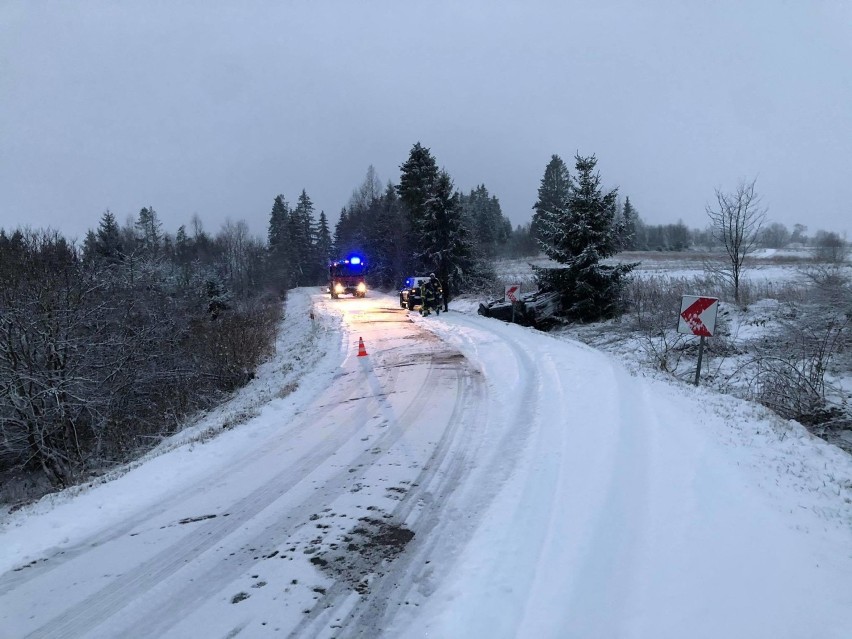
<point x="395" y="239"/>
<point x="490" y="230"/>
<point x="183" y="249"/>
<point x="90" y="247"/>
<point x="323" y="241"/>
<point x="301" y="240"/>
<point x="417" y="182"/>
<point x="439" y="238"/>
<point x="279" y="270"/>
<point x="365" y="234"/>
<point x="148" y="231"/>
<point x="108" y="239"/>
<point x="580" y="237"/>
<point x="629" y="223"/>
<point x="551" y="205"/>
<point x="342" y="234"/>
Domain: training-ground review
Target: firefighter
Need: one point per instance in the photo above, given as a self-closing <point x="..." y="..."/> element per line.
<point x="435" y="283"/>
<point x="428" y="293"/>
<point x="432" y="293"/>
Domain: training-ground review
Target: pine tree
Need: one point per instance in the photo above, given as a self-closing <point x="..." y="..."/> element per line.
<point x="522" y="243"/>
<point x="551" y="206"/>
<point x="182" y="246"/>
<point x="341" y="233"/>
<point x="489" y="228"/>
<point x="301" y="240"/>
<point x="323" y="241"/>
<point x="148" y="231"/>
<point x="276" y="232"/>
<point x="279" y="269"/>
<point x="581" y="236"/>
<point x="439" y="238"/>
<point x="629" y="223"/>
<point x="361" y="230"/>
<point x="395" y="239"/>
<point x="90" y="247"/>
<point x="417" y="182"/>
<point x="108" y="242"/>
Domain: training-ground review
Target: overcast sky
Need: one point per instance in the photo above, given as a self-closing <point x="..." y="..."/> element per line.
<point x="215" y="108"/>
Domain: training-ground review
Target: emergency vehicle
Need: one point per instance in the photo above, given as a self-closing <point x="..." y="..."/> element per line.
<point x="347" y="277"/>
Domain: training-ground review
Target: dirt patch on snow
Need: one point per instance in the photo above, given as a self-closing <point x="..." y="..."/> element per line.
<point x="363" y="551"/>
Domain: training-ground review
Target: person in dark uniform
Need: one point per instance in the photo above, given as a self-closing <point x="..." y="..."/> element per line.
<point x="437" y="293"/>
<point x="428" y="298"/>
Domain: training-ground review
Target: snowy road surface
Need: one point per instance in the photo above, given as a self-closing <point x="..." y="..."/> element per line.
<point x="467" y="478"/>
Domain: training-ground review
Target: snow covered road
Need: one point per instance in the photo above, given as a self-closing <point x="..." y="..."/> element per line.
<point x="467" y="478"/>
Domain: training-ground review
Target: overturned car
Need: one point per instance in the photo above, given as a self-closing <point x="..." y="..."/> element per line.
<point x="537" y="309"/>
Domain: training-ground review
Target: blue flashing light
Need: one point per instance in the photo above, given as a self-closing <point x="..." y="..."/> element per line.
<point x="355" y="259"/>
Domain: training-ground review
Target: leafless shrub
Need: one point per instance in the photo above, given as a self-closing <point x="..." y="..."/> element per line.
<point x="654" y="305"/>
<point x="791" y="380"/>
<point x="830" y="247"/>
<point x="831" y="286"/>
<point x="99" y="361"/>
<point x="763" y="289"/>
<point x="235" y="343"/>
<point x="654" y="302"/>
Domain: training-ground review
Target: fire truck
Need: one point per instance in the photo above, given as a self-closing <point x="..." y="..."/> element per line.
<point x="347" y="277"/>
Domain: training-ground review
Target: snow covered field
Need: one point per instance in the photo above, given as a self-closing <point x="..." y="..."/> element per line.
<point x="467" y="478"/>
<point x="775" y="320"/>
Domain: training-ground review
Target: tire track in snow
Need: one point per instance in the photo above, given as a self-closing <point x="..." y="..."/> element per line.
<point x="581" y="459"/>
<point x="465" y="489"/>
<point x="604" y="587"/>
<point x="16" y="579"/>
<point x="515" y="424"/>
<point x="120" y="592"/>
<point x="207" y="584"/>
<point x="104" y="603"/>
<point x="441" y="475"/>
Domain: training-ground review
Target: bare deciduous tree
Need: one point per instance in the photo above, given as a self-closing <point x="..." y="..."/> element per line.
<point x="830" y="247"/>
<point x="99" y="358"/>
<point x="735" y="222"/>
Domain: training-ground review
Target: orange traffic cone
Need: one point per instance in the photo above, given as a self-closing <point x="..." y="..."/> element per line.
<point x="362" y="352"/>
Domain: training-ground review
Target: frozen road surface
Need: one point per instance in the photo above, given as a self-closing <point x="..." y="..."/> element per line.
<point x="466" y="478"/>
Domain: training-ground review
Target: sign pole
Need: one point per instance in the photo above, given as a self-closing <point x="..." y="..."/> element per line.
<point x="698" y="316"/>
<point x="700" y="353"/>
<point x="512" y="293"/>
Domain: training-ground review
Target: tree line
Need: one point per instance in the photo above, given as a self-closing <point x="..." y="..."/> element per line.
<point x="641" y="236"/>
<point x="423" y="225"/>
<point x="107" y="346"/>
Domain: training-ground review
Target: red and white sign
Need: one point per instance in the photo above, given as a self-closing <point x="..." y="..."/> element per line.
<point x="513" y="292"/>
<point x="698" y="315"/>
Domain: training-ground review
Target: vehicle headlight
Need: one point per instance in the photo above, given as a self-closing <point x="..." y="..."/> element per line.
<point x="338" y="288"/>
<point x="362" y="288"/>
